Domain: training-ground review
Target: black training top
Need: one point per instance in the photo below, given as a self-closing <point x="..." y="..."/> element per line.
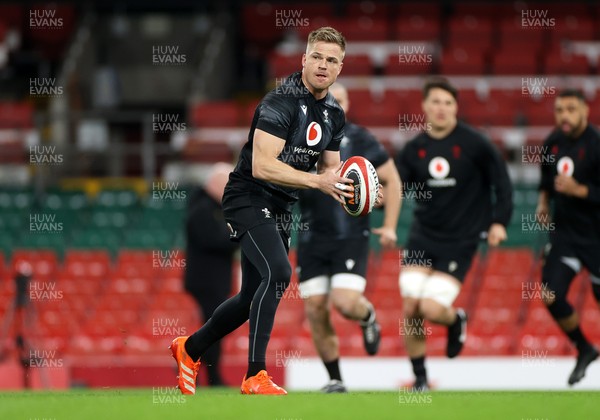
<point x="462" y="183"/>
<point x="307" y="125"/>
<point x="324" y="217"/>
<point x="577" y="220"/>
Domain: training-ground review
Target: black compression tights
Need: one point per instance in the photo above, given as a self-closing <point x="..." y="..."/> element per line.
<point x="266" y="273"/>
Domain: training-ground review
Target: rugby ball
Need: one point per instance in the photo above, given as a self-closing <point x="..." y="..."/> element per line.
<point x="366" y="185"/>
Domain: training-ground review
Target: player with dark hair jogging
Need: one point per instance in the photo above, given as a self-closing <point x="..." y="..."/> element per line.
<point x="295" y="126"/>
<point x="460" y="172"/>
<point x="571" y="181"/>
<point x="333" y="251"/>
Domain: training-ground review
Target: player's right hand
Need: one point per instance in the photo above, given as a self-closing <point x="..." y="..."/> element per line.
<point x="331" y="183"/>
<point x="542" y="213"/>
<point x="496" y="234"/>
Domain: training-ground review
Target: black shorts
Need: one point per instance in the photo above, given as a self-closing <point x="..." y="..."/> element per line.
<point x="453" y="258"/>
<point x="327" y="257"/>
<point x="576" y="257"/>
<point x="243" y="211"/>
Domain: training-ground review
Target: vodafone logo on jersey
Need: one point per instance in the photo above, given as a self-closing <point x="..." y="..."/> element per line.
<point x="313" y="134"/>
<point x="565" y="166"/>
<point x="439" y="168"/>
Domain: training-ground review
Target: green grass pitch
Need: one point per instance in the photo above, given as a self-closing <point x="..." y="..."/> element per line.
<point x="164" y="404"/>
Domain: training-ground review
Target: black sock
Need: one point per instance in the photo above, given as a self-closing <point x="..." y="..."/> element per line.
<point x="366" y="319"/>
<point x="333" y="368"/>
<point x="418" y="364"/>
<point x="254" y="368"/>
<point x="456" y="322"/>
<point x="578" y="339"/>
<point x="214" y="376"/>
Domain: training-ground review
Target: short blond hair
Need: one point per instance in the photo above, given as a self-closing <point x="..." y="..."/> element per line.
<point x="327" y="34"/>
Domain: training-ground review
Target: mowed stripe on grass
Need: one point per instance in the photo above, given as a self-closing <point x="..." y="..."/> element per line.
<point x="163" y="403"/>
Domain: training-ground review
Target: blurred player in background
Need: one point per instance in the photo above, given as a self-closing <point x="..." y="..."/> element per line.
<point x="571" y="180"/>
<point x="296" y="126"/>
<point x="333" y="251"/>
<point x="458" y="169"/>
<point x="209" y="256"/>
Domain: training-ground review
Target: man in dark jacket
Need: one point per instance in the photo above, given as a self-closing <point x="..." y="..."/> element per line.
<point x="209" y="255"/>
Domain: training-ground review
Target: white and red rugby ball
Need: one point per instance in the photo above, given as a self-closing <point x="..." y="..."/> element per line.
<point x="366" y="185"/>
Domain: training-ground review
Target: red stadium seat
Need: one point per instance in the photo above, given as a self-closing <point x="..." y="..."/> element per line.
<point x="174" y="301"/>
<point x="96" y="343"/>
<point x="170" y="281"/>
<point x="368" y="8"/>
<point x="130" y="284"/>
<point x="3" y="31"/>
<point x="12" y="13"/>
<point x="461" y="60"/>
<point x="112" y="300"/>
<point x="539" y="112"/>
<point x="91" y="257"/>
<point x="315" y="21"/>
<point x="514" y="37"/>
<point x="78" y="285"/>
<point x="50" y="41"/>
<point x="562" y="9"/>
<point x="589" y="315"/>
<point x="415" y="61"/>
<point x="283" y="65"/>
<point x="155" y="321"/>
<point x="43" y="262"/>
<point x="56" y="322"/>
<point x="469" y="99"/>
<point x="490" y="112"/>
<point x="259" y="24"/>
<point x="509" y="261"/>
<point x="387" y="297"/>
<point x="361" y="28"/>
<point x="207" y="151"/>
<point x="500" y="299"/>
<point x="237" y="347"/>
<point x="564" y="64"/>
<point x="464" y="298"/>
<point x="417" y="27"/>
<point x="486" y="320"/>
<point x="375" y="113"/>
<point x="502" y="283"/>
<point x="359" y="98"/>
<point x="215" y="114"/>
<point x="480" y="10"/>
<point x="409" y="101"/>
<point x="425" y="9"/>
<point x="470" y="29"/>
<point x="594" y="105"/>
<point x="540" y="332"/>
<point x="573" y="28"/>
<point x="17" y="115"/>
<point x="578" y="290"/>
<point x="134" y="257"/>
<point x="519" y="62"/>
<point x="248" y="112"/>
<point x="497" y="345"/>
<point x="358" y="65"/>
<point x="86" y="264"/>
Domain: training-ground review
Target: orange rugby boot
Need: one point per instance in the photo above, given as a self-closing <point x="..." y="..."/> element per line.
<point x="186" y="367"/>
<point x="261" y="384"/>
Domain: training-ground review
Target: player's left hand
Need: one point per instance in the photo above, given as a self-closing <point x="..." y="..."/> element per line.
<point x="496" y="234"/>
<point x="388" y="237"/>
<point x="379" y="200"/>
<point x="567" y="185"/>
